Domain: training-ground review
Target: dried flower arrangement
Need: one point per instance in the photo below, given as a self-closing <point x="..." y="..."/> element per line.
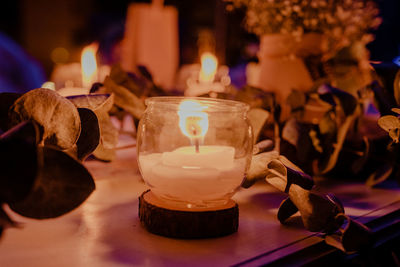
<point x="342" y="22"/>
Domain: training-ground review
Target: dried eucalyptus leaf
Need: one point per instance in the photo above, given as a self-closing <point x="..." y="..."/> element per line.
<point x="396" y="87"/>
<point x="62" y="185"/>
<point x="380" y="175"/>
<point x="394" y="134"/>
<point x="290" y="131"/>
<point x="18" y="162"/>
<point x="95" y="102"/>
<point x="57" y="116"/>
<point x="89" y="138"/>
<point x="96" y="88"/>
<point x="6" y="101"/>
<point x="6" y="221"/>
<point x="289" y="164"/>
<point x="389" y="122"/>
<point x="122" y="78"/>
<point x="101" y="105"/>
<point x="341" y="136"/>
<point x="359" y="164"/>
<point x="396" y="110"/>
<point x="316" y="143"/>
<point x="318" y="212"/>
<point x="145" y="72"/>
<point x="286" y="210"/>
<point x="108" y="139"/>
<point x="352" y="237"/>
<point x="288" y="176"/>
<point x="125" y="99"/>
<point x="257" y="117"/>
<point x="258" y="167"/>
<point x="327" y="125"/>
<point x="263" y="146"/>
<point x="381" y="100"/>
<point x="282" y="177"/>
<point x="347" y="101"/>
<point x="256" y="98"/>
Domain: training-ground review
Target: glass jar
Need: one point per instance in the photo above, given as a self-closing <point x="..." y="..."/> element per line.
<point x="194" y="152"/>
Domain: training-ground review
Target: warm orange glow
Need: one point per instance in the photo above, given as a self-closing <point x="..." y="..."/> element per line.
<point x="209" y="64"/>
<point x="193" y="122"/>
<point x="89" y="65"/>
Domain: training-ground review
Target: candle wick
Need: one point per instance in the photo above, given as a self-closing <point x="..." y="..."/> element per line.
<point x="196" y="139"/>
<point x="196" y="144"/>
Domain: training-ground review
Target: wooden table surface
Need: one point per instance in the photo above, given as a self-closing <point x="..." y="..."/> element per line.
<point x="105" y="230"/>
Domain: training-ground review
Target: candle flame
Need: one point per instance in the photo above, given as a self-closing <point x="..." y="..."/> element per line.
<point x="209" y="64"/>
<point x="89" y="65"/>
<point x="193" y="122"/>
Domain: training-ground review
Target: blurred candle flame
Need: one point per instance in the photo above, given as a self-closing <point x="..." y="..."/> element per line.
<point x="193" y="122"/>
<point x="89" y="65"/>
<point x="209" y="64"/>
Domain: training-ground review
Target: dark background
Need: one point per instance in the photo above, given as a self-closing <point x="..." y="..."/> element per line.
<point x="40" y="26"/>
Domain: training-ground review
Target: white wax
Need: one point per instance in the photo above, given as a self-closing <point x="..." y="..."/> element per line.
<point x="184" y="175"/>
<point x="219" y="157"/>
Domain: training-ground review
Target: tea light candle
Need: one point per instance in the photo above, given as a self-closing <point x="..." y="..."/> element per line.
<point x="193" y="173"/>
<point x="206" y="81"/>
<point x="193" y="154"/>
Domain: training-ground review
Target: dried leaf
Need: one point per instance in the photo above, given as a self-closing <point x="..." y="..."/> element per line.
<point x="389" y="122"/>
<point x="396" y="87"/>
<point x="315" y="140"/>
<point x="96" y="88"/>
<point x="18" y="162"/>
<point x="359" y="164"/>
<point x="380" y="175"/>
<point x="341" y="136"/>
<point x="258" y="167"/>
<point x="6" y="221"/>
<point x="125" y="99"/>
<point x="122" y="78"/>
<point x="257" y="117"/>
<point x="145" y="72"/>
<point x="57" y="116"/>
<point x="101" y="105"/>
<point x="256" y="98"/>
<point x="89" y="138"/>
<point x="394" y="134"/>
<point x="290" y="131"/>
<point x="283" y="177"/>
<point x="286" y="210"/>
<point x="108" y="140"/>
<point x="396" y="110"/>
<point x="352" y="237"/>
<point x="347" y="101"/>
<point x="95" y="102"/>
<point x="383" y="103"/>
<point x="327" y="125"/>
<point x="6" y="101"/>
<point x="318" y="212"/>
<point x="263" y="146"/>
<point x="62" y="185"/>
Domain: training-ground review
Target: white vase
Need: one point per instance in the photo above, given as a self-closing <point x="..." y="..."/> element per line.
<point x="281" y="70"/>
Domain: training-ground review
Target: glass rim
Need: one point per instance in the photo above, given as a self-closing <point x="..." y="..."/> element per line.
<point x="213" y="104"/>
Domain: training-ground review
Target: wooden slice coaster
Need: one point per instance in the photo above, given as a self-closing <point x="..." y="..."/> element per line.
<point x="187" y="223"/>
